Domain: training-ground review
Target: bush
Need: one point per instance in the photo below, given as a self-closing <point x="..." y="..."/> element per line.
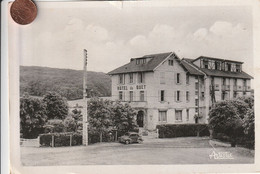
<point x="182" y="130"/>
<point x="70" y="124"/>
<point x="61" y="139"/>
<point x="54" y="126"/>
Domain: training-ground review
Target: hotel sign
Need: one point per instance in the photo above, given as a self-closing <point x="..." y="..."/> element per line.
<point x="125" y="88"/>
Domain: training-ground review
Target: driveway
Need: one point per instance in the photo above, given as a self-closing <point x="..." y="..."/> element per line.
<point x="189" y="150"/>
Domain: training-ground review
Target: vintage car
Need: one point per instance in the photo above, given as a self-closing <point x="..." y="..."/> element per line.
<point x="130" y="137"/>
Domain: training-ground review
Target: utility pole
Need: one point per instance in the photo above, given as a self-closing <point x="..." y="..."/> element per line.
<point x="85" y="106"/>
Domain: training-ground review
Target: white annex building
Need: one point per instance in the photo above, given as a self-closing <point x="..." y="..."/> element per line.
<point x="168" y="90"/>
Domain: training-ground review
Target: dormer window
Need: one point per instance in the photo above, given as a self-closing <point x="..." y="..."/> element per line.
<point x="205" y="64"/>
<point x="217" y="65"/>
<point x="238" y="68"/>
<point x="229" y="66"/>
<point x="140" y="61"/>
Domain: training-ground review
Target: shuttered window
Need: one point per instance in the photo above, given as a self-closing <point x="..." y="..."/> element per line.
<point x="178" y="115"/>
<point x="141" y="95"/>
<point x="177" y="96"/>
<point x="187" y="96"/>
<point x="120" y="95"/>
<point x="178" y="78"/>
<point x="162" y="95"/>
<point x="162" y="116"/>
<point x="131" y="96"/>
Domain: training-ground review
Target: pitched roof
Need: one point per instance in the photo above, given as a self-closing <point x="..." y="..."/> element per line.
<point x="213" y="58"/>
<point x="149" y="66"/>
<point x="190" y="68"/>
<point x="219" y="73"/>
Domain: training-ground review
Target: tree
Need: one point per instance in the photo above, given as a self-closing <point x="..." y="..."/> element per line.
<point x="99" y="116"/>
<point x="227" y="117"/>
<point x="32" y="116"/>
<point x="56" y="106"/>
<point x="123" y="117"/>
<point x="70" y="124"/>
<point x="249" y="124"/>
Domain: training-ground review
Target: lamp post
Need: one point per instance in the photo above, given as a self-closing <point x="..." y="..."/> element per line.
<point x="85" y="106"/>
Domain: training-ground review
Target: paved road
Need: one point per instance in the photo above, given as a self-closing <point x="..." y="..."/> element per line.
<point x="191" y="150"/>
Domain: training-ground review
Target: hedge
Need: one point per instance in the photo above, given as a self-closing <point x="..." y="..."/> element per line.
<point x="60" y="139"/>
<point x="182" y="130"/>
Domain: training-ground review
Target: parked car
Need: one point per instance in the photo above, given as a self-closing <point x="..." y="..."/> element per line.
<point x="130" y="137"/>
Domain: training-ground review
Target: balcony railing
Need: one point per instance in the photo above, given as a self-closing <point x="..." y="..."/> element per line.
<point x="225" y="87"/>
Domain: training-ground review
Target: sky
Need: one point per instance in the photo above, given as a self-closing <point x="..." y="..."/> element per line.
<point x="115" y="34"/>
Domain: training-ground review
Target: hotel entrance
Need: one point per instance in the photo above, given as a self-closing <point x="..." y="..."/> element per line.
<point x="140" y="119"/>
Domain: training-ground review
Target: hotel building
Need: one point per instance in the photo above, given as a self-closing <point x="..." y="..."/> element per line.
<point x="168" y="90"/>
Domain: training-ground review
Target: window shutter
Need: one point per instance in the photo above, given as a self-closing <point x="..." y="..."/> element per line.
<point x="123" y="96"/>
<point x="134" y="96"/>
<point x="143" y="77"/>
<point x="175" y="96"/>
<point x="176" y="77"/>
<point x="181" y="96"/>
<point x="164" y="97"/>
<point x="159" y="95"/>
<point x="145" y="97"/>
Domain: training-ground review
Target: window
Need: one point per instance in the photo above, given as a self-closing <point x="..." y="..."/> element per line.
<point x="196" y="85"/>
<point x="235" y="82"/>
<point x="206" y="64"/>
<point x="244" y="93"/>
<point x="196" y="110"/>
<point x="141" y="95"/>
<point x="131" y="78"/>
<point x="162" y="95"/>
<point x="223" y="81"/>
<point x="162" y="77"/>
<point x="223" y="95"/>
<point x="188" y="114"/>
<point x="140" y="77"/>
<point x="217" y="65"/>
<point x="234" y="94"/>
<point x="229" y="66"/>
<point x="131" y="96"/>
<point x="187" y="79"/>
<point x="178" y="96"/>
<point x="187" y="96"/>
<point x="244" y="82"/>
<point x="120" y="95"/>
<point x="162" y="116"/>
<point x="202" y="95"/>
<point x="140" y="61"/>
<point x="121" y="78"/>
<point x="178" y="78"/>
<point x="196" y="93"/>
<point x="170" y="62"/>
<point x="178" y="115"/>
<point x="196" y="102"/>
<point x="238" y="68"/>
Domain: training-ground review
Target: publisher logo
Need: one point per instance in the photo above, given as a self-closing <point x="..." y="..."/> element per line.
<point x="220" y="155"/>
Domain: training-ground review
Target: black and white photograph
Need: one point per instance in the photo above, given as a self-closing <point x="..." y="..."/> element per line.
<point x="134" y="83"/>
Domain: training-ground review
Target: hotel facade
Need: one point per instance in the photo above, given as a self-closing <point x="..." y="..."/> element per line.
<point x="165" y="89"/>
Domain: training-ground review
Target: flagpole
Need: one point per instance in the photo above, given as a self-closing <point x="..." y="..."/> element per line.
<point x="85" y="107"/>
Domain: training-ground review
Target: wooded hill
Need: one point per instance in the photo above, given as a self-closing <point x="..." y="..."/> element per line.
<point x="67" y="82"/>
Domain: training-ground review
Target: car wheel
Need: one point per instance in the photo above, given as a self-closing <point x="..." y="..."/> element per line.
<point x="127" y="142"/>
